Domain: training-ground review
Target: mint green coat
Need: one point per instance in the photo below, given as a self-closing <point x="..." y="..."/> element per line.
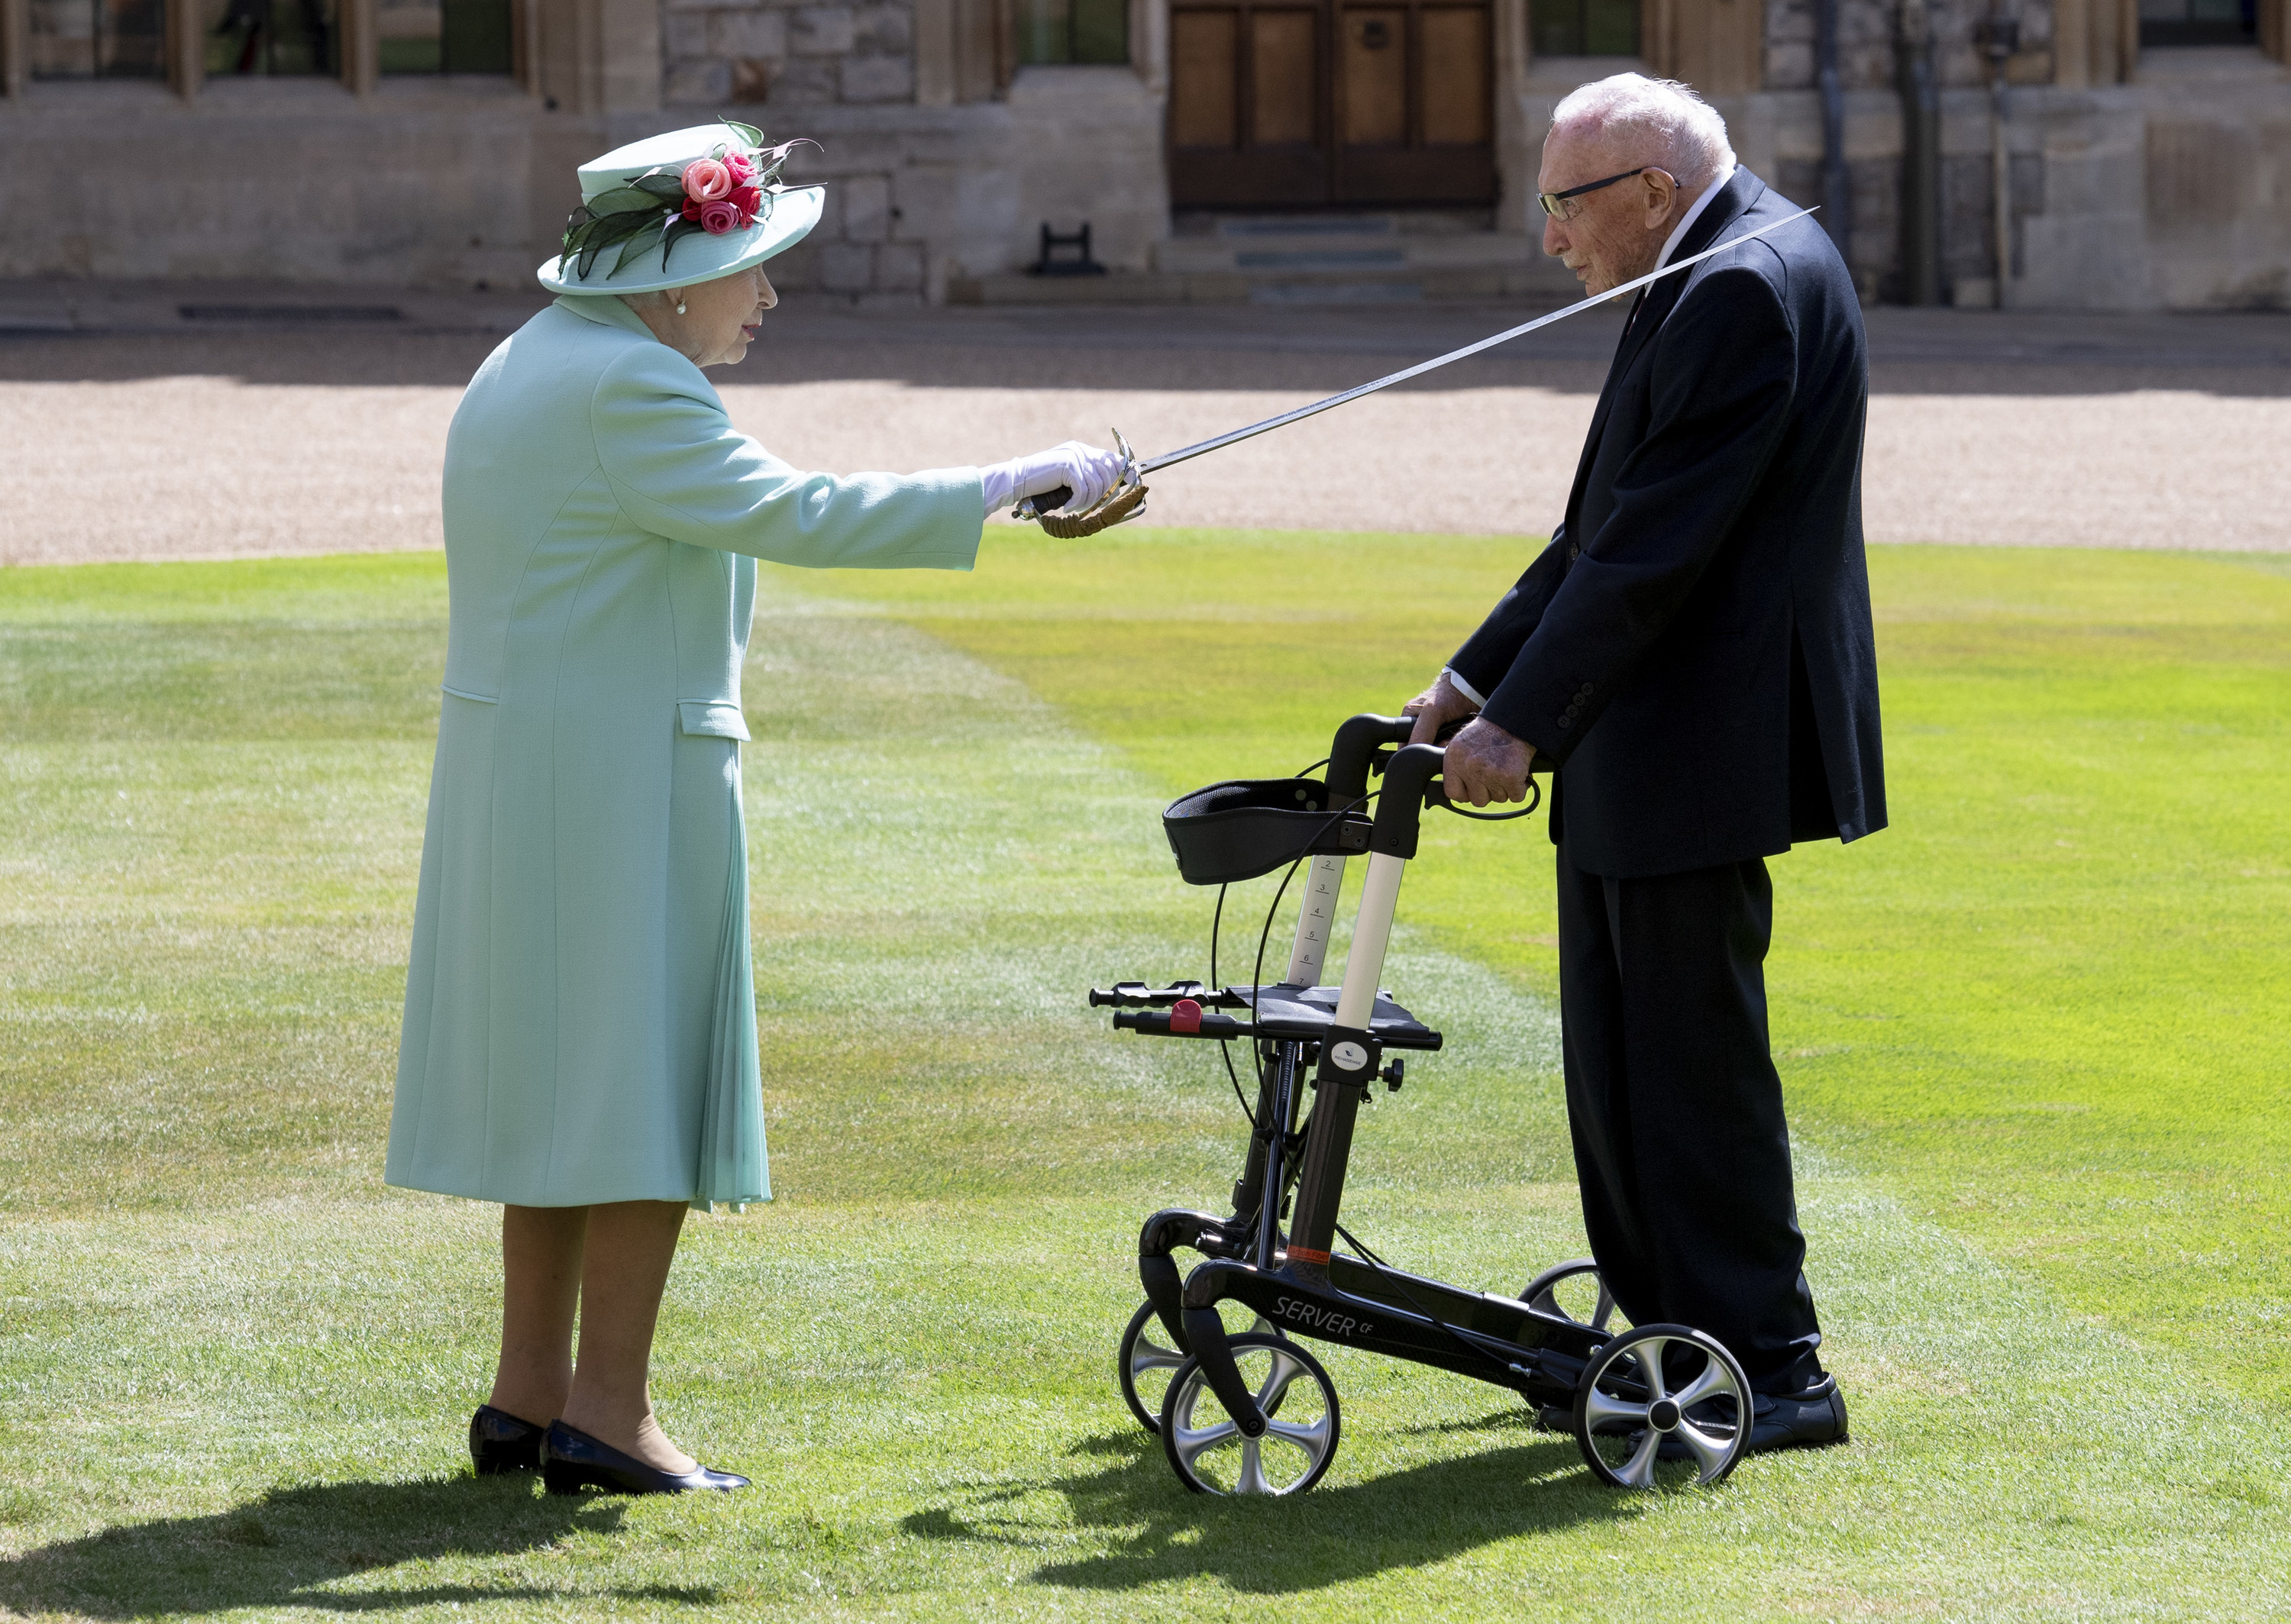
<point x="579" y="1015"/>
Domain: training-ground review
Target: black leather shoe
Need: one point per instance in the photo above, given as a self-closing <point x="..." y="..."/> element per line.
<point x="570" y="1460"/>
<point x="501" y="1443"/>
<point x="1813" y="1418"/>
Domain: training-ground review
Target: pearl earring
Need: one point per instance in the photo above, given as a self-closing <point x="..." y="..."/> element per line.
<point x="679" y="307"/>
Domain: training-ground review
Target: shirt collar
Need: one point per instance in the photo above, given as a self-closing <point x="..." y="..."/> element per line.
<point x="1694" y="213"/>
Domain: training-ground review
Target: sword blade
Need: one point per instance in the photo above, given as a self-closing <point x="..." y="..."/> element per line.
<point x="1434" y="364"/>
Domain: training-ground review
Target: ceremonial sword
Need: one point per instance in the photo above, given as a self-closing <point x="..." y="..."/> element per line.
<point x="1127" y="500"/>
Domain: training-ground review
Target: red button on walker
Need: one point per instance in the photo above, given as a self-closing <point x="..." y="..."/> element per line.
<point x="1184" y="1015"/>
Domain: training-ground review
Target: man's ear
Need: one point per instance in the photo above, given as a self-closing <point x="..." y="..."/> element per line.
<point x="1662" y="191"/>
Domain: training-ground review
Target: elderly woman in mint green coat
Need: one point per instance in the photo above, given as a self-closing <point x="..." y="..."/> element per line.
<point x="580" y="1039"/>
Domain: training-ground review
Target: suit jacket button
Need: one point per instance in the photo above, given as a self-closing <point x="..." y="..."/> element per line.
<point x="1586" y="690"/>
<point x="1573" y="553"/>
<point x="1567" y="722"/>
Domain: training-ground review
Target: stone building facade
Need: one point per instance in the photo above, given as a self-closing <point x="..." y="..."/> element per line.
<point x="2145" y="144"/>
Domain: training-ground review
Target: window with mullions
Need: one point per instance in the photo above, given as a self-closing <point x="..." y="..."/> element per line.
<point x="1583" y="28"/>
<point x="2199" y="22"/>
<point x="275" y="37"/>
<point x="96" y="39"/>
<point x="1072" y="31"/>
<point x="443" y="35"/>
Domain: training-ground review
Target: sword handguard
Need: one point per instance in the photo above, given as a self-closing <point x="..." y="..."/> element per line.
<point x="1126" y="501"/>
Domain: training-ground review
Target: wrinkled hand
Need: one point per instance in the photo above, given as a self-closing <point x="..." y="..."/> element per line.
<point x="1435" y="708"/>
<point x="1484" y="763"/>
<point x="1083" y="468"/>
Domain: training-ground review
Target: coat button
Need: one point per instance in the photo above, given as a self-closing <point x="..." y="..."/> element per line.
<point x="1586" y="690"/>
<point x="1573" y="553"/>
<point x="1567" y="722"/>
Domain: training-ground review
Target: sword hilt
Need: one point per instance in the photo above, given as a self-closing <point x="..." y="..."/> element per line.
<point x="1047" y="502"/>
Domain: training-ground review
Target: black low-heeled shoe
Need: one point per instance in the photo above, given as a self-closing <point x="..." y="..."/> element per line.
<point x="570" y="1460"/>
<point x="501" y="1443"/>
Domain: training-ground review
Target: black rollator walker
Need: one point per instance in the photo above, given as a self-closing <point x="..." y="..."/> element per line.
<point x="1256" y="1413"/>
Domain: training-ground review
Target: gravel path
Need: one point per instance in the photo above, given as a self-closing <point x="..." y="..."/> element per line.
<point x="2161" y="433"/>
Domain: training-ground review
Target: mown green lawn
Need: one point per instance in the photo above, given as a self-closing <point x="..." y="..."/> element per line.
<point x="2034" y="1036"/>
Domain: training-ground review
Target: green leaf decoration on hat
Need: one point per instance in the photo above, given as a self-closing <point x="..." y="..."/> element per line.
<point x="645" y="238"/>
<point x="677" y="230"/>
<point x="622" y="199"/>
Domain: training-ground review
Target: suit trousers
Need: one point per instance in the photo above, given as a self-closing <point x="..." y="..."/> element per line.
<point x="1675" y="1110"/>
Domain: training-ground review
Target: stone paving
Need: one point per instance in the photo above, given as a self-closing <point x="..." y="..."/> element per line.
<point x="138" y="434"/>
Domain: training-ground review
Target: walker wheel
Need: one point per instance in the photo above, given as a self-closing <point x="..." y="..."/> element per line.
<point x="1574" y="1291"/>
<point x="1145" y="1360"/>
<point x="1662" y="1396"/>
<point x="1206" y="1447"/>
<point x="1145" y="1364"/>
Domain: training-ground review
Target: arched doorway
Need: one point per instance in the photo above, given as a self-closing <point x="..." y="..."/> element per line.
<point x="1317" y="103"/>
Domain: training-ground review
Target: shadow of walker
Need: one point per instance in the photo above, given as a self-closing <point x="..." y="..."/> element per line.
<point x="1407" y="1519"/>
<point x="278" y="1551"/>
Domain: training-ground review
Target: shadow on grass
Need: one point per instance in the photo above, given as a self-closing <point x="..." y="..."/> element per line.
<point x="1412" y="1518"/>
<point x="276" y="1552"/>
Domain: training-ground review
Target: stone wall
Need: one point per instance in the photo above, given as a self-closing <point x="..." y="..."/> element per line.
<point x="768" y="54"/>
<point x="917" y="195"/>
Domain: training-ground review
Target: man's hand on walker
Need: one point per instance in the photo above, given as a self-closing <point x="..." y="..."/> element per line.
<point x="1435" y="708"/>
<point x="1484" y="763"/>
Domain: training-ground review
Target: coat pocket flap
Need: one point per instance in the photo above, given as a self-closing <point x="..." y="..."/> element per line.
<point x="714" y="718"/>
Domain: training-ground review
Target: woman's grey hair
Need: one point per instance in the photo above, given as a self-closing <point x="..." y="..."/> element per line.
<point x="1652" y="121"/>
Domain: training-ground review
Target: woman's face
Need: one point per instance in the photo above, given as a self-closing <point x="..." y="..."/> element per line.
<point x="720" y="318"/>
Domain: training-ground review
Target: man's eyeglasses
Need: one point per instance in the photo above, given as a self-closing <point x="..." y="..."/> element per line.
<point x="1555" y="203"/>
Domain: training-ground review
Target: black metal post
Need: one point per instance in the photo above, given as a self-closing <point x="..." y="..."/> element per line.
<point x="1920" y="154"/>
<point x="1836" y="188"/>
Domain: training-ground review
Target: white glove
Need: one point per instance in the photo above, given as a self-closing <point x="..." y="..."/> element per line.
<point x="1085" y="469"/>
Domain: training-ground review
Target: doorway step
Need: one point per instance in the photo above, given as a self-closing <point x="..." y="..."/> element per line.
<point x="1305" y="259"/>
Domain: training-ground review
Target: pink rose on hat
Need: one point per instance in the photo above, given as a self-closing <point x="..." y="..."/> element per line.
<point x="718" y="217"/>
<point x="706" y="179"/>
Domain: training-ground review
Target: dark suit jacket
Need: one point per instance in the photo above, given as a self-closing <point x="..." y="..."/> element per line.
<point x="1694" y="647"/>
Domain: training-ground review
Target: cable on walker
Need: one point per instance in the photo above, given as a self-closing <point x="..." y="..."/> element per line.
<point x="1255" y="1413"/>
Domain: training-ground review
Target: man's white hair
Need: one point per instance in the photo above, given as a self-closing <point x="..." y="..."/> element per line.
<point x="1652" y="121"/>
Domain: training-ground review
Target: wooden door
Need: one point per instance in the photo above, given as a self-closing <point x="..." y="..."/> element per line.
<point x="1415" y="104"/>
<point x="1306" y="103"/>
<point x="1248" y="114"/>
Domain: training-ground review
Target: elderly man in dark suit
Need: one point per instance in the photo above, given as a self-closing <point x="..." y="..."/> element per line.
<point x="1694" y="652"/>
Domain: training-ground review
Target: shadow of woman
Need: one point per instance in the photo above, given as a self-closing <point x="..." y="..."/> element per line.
<point x="1410" y="1518"/>
<point x="288" y="1547"/>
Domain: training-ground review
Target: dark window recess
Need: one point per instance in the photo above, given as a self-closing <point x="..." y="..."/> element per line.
<point x="276" y="37"/>
<point x="2199" y="22"/>
<point x="96" y="39"/>
<point x="443" y="35"/>
<point x="1073" y="31"/>
<point x="1583" y="28"/>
